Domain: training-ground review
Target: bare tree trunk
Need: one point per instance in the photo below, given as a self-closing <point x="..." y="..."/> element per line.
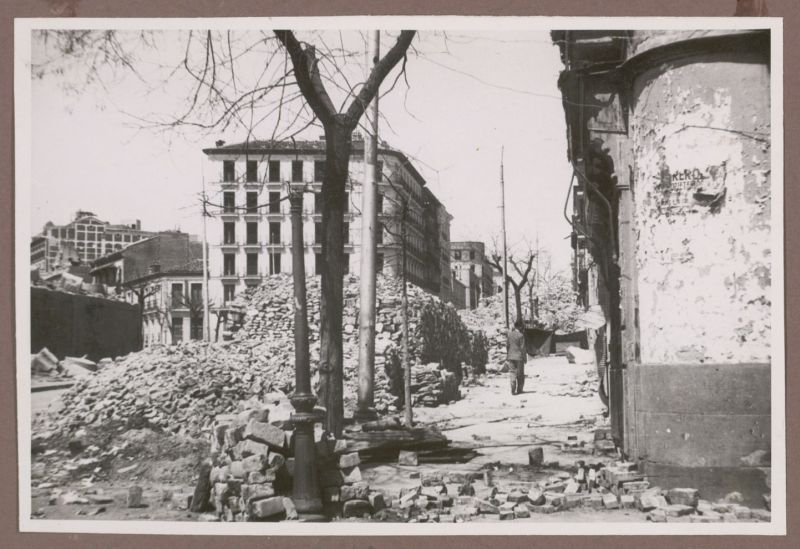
<point x="338" y="147"/>
<point x="518" y="301"/>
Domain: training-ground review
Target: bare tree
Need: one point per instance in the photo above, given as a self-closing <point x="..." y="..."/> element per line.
<point x="290" y="89"/>
<point x="521" y="264"/>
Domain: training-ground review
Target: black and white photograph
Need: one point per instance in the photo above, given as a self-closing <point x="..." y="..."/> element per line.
<point x="400" y="275"/>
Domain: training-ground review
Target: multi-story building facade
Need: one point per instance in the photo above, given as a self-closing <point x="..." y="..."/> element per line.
<point x="669" y="135"/>
<point x="471" y="267"/>
<point x="250" y="237"/>
<point x="83" y="240"/>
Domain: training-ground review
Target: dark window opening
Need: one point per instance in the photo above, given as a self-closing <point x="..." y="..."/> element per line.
<point x="379" y="263"/>
<point x="274" y="263"/>
<point x="472" y="254"/>
<point x="297" y="171"/>
<point x="196" y="294"/>
<point x="379" y="171"/>
<point x="252" y="233"/>
<point x="228" y="170"/>
<point x="346" y="268"/>
<point x="379" y="202"/>
<point x="252" y="264"/>
<point x="274" y="169"/>
<point x="252" y="203"/>
<point x="319" y="170"/>
<point x="318" y="264"/>
<point x="229" y="202"/>
<point x="379" y="233"/>
<point x="228" y="292"/>
<point x="196" y="327"/>
<point x="177" y="330"/>
<point x="457" y="255"/>
<point x="346" y="201"/>
<point x="252" y="170"/>
<point x="177" y="295"/>
<point x="229" y="264"/>
<point x="317" y="233"/>
<point x="274" y="202"/>
<point x="346" y="232"/>
<point x="229" y="232"/>
<point x="318" y="203"/>
<point x="274" y="233"/>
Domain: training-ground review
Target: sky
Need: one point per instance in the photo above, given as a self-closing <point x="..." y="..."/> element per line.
<point x="469" y="95"/>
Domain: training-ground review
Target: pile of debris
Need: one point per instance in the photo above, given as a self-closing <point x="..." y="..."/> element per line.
<point x="489" y="318"/>
<point x="431" y="386"/>
<point x="460" y="497"/>
<point x="253" y="467"/>
<point x="267" y="329"/>
<point x="46" y="364"/>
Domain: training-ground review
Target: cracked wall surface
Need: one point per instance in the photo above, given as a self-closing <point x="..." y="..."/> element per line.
<point x="701" y="135"/>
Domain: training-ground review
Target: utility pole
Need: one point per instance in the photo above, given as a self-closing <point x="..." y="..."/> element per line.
<point x="409" y="419"/>
<point x="305" y="486"/>
<point x="505" y="243"/>
<point x="369" y="219"/>
<point x="206" y="314"/>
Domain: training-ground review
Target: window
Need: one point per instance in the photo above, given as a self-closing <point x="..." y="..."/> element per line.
<point x="252" y="232"/>
<point x="346" y="201"/>
<point x="177" y="330"/>
<point x="90" y="236"/>
<point x="274" y="233"/>
<point x="274" y="263"/>
<point x="252" y="264"/>
<point x="472" y="254"/>
<point x="457" y="255"/>
<point x="318" y="264"/>
<point x="177" y="295"/>
<point x="127" y="238"/>
<point x="317" y="203"/>
<point x="252" y="170"/>
<point x="317" y="233"/>
<point x="379" y="171"/>
<point x="319" y="170"/>
<point x="70" y="233"/>
<point x="228" y="292"/>
<point x="196" y="327"/>
<point x="379" y="263"/>
<point x="274" y="202"/>
<point x="117" y="237"/>
<point x="229" y="264"/>
<point x="229" y="232"/>
<point x="379" y="233"/>
<point x="229" y="202"/>
<point x="346" y="232"/>
<point x="346" y="268"/>
<point x="274" y="171"/>
<point x="81" y="235"/>
<point x="297" y="171"/>
<point x="196" y="293"/>
<point x="252" y="203"/>
<point x="228" y="170"/>
<point x="379" y="203"/>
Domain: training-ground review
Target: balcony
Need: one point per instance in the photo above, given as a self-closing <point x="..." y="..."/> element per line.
<point x="252" y="245"/>
<point x="229" y="275"/>
<point x="229" y="246"/>
<point x="250" y="276"/>
<point x="276" y="246"/>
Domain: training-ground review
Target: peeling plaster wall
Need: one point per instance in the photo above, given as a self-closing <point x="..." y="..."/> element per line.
<point x="700" y="129"/>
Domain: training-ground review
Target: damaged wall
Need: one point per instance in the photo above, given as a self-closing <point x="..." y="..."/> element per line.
<point x="702" y="198"/>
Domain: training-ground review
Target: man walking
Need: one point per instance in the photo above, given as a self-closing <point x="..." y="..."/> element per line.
<point x="515" y="357"/>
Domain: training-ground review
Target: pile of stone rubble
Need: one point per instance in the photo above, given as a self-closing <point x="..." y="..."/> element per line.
<point x="182" y="388"/>
<point x="251" y="479"/>
<point x="489" y="318"/>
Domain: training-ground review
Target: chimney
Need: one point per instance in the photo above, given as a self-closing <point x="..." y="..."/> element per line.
<point x="154" y="268"/>
<point x="220" y="142"/>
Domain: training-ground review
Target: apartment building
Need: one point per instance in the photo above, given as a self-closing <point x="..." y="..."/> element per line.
<point x="471" y="268"/>
<point x="250" y="235"/>
<point x="83" y="240"/>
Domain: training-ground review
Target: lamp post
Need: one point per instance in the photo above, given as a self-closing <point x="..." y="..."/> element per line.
<point x="305" y="487"/>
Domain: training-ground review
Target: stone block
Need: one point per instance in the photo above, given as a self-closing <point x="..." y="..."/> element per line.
<point x="657" y="515"/>
<point x="432" y="479"/>
<point x="270" y="508"/>
<point x="265" y="433"/>
<point x="634" y="487"/>
<point x="553" y="498"/>
<point x="407" y="458"/>
<point x="517" y="496"/>
<point x="255" y="492"/>
<point x="506" y="514"/>
<point x="485" y="506"/>
<point x="347" y="461"/>
<point x="290" y="509"/>
<point x="260" y="477"/>
<point x="356" y="508"/>
<point x="761" y="515"/>
<point x="683" y="496"/>
<point x="349" y="476"/>
<point x="536" y="496"/>
<point x="610" y="501"/>
<point x="134" y="499"/>
<point x="572" y="487"/>
<point x="707" y="516"/>
<point x="627" y="501"/>
<point x="536" y="456"/>
<point x="236" y="469"/>
<point x="376" y="501"/>
<point x="521" y="511"/>
<point x="545" y="509"/>
<point x="648" y="502"/>
<point x="249" y="447"/>
<point x="594" y="501"/>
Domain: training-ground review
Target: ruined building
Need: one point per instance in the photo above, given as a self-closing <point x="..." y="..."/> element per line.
<point x="669" y="137"/>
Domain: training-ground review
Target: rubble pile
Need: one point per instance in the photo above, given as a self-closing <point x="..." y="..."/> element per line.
<point x="489" y="319"/>
<point x="460" y="497"/>
<point x="253" y="467"/>
<point x="436" y="334"/>
<point x="432" y="386"/>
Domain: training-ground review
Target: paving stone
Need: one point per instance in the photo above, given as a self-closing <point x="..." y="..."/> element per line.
<point x="683" y="496"/>
<point x="270" y="508"/>
<point x="678" y="510"/>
